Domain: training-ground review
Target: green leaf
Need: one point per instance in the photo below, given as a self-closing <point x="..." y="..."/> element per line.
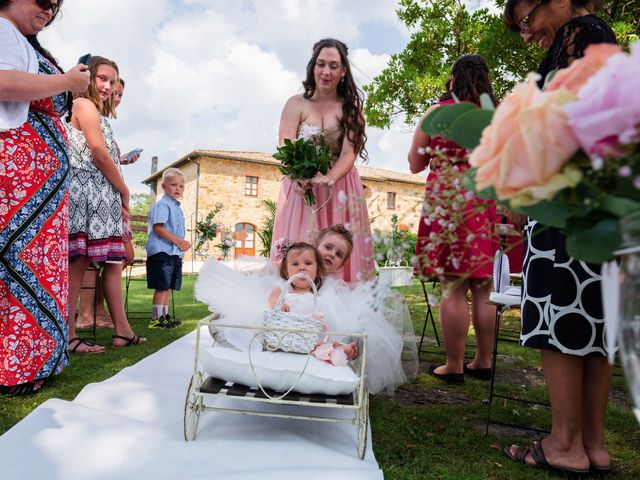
<point x="595" y="243"/>
<point x="619" y="206"/>
<point x="549" y="77"/>
<point x="552" y="214"/>
<point x="466" y="129"/>
<point x="441" y="118"/>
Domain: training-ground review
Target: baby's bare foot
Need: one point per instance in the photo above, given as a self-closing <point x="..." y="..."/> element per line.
<point x="350" y="350"/>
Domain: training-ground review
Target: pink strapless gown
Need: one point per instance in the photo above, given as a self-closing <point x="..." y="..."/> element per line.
<point x="293" y="220"/>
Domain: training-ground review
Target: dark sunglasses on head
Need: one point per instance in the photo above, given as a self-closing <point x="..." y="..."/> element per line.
<point x="523" y="24"/>
<point x="47" y="4"/>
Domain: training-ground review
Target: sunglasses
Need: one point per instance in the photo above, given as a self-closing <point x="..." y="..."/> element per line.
<point x="523" y="24"/>
<point x="47" y="5"/>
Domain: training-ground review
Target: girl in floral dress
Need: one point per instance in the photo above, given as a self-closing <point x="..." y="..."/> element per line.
<point x="98" y="199"/>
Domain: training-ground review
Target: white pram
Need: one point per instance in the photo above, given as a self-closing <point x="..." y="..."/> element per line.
<point x="291" y="380"/>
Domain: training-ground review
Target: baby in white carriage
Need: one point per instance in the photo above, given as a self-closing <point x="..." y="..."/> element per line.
<point x="242" y="299"/>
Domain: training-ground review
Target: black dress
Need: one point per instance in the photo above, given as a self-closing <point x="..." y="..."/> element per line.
<point x="561" y="299"/>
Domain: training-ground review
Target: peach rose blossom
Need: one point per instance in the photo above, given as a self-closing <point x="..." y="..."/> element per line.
<point x="523" y="151"/>
<point x="577" y="74"/>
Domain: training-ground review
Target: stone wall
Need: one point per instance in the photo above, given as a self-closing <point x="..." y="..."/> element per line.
<point x="222" y="180"/>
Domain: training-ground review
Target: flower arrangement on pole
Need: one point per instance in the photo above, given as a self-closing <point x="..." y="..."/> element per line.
<point x="208" y="228"/>
<point x="396" y="247"/>
<point x="226" y="242"/>
<point x="567" y="155"/>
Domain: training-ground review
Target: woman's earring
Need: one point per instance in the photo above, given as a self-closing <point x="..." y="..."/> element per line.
<point x="342" y="79"/>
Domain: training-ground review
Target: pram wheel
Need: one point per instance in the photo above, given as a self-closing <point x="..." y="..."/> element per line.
<point x="192" y="407"/>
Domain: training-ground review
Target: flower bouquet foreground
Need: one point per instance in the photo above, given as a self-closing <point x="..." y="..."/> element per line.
<point x="567" y="156"/>
<point x="302" y="159"/>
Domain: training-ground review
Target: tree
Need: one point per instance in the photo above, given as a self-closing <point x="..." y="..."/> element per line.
<point x="266" y="231"/>
<point x="441" y="31"/>
<point x="140" y="206"/>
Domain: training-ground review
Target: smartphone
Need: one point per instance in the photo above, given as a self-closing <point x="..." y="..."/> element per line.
<point x="127" y="158"/>
<point x="84" y="59"/>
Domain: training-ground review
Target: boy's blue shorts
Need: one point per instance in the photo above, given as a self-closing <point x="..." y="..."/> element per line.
<point x="164" y="272"/>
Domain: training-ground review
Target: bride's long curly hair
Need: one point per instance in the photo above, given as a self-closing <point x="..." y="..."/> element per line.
<point x="352" y="121"/>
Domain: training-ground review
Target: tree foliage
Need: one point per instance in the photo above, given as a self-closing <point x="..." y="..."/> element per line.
<point x="266" y="231"/>
<point x="441" y="31"/>
<point x="140" y="206"/>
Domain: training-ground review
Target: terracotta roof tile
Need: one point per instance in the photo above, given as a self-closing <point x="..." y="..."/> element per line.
<point x="367" y="173"/>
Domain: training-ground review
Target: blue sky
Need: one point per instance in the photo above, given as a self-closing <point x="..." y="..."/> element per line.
<point x="214" y="74"/>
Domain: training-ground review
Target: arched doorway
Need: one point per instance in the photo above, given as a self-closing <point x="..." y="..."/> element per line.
<point x="245" y="237"/>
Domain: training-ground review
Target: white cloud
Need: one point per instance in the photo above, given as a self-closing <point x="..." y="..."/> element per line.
<point x="215" y="74"/>
<point x="366" y="65"/>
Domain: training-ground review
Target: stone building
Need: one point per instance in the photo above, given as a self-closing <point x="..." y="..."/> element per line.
<point x="242" y="180"/>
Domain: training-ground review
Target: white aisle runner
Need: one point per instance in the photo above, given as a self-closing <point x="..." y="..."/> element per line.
<point x="130" y="427"/>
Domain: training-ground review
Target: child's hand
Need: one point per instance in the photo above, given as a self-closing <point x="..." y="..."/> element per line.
<point x="183" y="245"/>
<point x="285" y="308"/>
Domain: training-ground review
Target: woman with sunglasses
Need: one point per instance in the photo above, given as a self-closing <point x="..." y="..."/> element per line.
<point x="33" y="198"/>
<point x="561" y="302"/>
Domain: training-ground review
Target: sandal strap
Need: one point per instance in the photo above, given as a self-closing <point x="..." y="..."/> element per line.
<point x="19" y="390"/>
<point x="135" y="340"/>
<point x="537" y="454"/>
<point x="80" y="342"/>
<point x="521" y="453"/>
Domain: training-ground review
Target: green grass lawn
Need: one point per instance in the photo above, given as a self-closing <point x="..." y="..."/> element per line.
<point x="428" y="430"/>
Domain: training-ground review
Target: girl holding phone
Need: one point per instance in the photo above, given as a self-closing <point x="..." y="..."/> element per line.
<point x="99" y="198"/>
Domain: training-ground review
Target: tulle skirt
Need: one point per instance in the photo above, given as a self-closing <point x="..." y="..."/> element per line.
<point x="369" y="307"/>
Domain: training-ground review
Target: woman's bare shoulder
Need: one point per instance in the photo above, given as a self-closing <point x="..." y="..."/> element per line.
<point x="296" y="101"/>
<point x="430" y="109"/>
<point x="84" y="104"/>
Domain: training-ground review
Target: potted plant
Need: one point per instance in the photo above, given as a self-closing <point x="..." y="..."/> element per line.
<point x="393" y="251"/>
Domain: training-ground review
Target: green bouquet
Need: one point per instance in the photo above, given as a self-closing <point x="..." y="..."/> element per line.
<point x="302" y="159"/>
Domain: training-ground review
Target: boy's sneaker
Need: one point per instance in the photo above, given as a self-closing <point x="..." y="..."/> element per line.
<point x="161" y="323"/>
<point x="173" y="321"/>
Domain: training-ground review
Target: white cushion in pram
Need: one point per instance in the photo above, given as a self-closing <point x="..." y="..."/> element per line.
<point x="278" y="371"/>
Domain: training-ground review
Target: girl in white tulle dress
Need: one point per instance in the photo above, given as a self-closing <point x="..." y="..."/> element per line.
<point x="304" y="258"/>
<point x="243" y="297"/>
<point x="373" y="307"/>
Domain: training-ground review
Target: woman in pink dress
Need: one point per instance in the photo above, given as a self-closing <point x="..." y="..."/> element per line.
<point x="456" y="236"/>
<point x="331" y="105"/>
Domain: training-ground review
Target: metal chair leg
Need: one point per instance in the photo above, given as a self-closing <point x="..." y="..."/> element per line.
<point x="494" y="357"/>
<point x="428" y="316"/>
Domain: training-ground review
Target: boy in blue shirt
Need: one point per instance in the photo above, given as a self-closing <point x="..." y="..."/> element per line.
<point x="166" y="247"/>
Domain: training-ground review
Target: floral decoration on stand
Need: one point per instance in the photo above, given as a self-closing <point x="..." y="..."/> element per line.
<point x="208" y="229"/>
<point x="302" y="159"/>
<point x="226" y="242"/>
<point x="396" y="247"/>
<point x="568" y="155"/>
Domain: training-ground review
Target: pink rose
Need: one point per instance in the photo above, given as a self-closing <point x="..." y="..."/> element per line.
<point x="574" y="77"/>
<point x="523" y="151"/>
<point x="607" y="110"/>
